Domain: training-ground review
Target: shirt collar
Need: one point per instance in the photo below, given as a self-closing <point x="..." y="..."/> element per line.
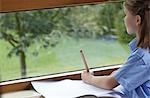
<point x="140" y="51"/>
<point x="132" y="45"/>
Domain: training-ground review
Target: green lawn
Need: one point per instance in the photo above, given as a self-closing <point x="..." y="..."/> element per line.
<point x="64" y="57"/>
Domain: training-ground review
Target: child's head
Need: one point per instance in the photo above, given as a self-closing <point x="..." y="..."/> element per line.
<point x="137" y="20"/>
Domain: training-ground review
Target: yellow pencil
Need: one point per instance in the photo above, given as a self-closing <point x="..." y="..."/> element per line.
<point x="85" y="63"/>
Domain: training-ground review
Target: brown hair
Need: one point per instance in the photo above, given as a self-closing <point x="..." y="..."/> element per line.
<point x="141" y="8"/>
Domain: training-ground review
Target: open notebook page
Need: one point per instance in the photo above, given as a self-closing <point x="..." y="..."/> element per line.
<point x="68" y="89"/>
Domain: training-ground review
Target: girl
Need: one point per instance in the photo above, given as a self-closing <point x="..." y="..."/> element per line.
<point x="133" y="78"/>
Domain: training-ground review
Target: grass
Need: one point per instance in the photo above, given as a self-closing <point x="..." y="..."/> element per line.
<point x="64" y="57"/>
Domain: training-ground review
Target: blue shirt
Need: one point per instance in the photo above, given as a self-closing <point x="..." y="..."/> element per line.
<point x="134" y="75"/>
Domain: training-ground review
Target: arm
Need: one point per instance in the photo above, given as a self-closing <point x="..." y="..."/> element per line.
<point x="105" y="82"/>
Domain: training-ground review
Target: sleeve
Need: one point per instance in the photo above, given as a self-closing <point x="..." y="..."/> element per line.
<point x="133" y="73"/>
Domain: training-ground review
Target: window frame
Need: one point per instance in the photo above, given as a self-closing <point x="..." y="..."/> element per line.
<point x="7" y="6"/>
<point x="24" y="84"/>
<point x="24" y="5"/>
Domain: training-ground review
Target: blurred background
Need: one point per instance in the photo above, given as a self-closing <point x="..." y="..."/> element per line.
<point x="48" y="41"/>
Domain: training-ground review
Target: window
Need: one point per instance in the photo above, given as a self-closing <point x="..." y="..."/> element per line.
<point x="48" y="41"/>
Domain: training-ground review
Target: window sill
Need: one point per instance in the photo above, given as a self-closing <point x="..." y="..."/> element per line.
<point x="24" y="84"/>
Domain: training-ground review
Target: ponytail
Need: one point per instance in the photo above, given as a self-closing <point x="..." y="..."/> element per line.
<point x="144" y="32"/>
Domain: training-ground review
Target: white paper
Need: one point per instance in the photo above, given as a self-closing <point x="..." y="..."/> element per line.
<point x="68" y="89"/>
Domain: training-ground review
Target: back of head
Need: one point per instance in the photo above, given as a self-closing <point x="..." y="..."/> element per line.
<point x="141" y="8"/>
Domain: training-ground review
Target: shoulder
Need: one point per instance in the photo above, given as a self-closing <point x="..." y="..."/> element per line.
<point x="146" y="57"/>
<point x="140" y="55"/>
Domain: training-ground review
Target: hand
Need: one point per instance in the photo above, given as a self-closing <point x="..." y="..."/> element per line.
<point x="86" y="77"/>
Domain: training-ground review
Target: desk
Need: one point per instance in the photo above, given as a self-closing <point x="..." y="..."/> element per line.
<point x="22" y="94"/>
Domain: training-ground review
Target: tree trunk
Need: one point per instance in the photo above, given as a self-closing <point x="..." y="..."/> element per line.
<point x="23" y="63"/>
<point x="21" y="51"/>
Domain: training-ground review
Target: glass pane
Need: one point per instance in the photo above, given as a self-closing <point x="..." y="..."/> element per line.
<point x="48" y="41"/>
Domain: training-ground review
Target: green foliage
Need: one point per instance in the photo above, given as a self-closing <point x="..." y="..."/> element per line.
<point x="21" y="29"/>
<point x="107" y="18"/>
<point x="47" y="27"/>
<point x="64" y="57"/>
<point x="121" y="32"/>
<point x="88" y="21"/>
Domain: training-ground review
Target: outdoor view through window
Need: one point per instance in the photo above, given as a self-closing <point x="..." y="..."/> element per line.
<point x="48" y="41"/>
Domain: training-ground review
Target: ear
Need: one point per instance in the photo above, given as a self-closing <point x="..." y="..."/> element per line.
<point x="138" y="20"/>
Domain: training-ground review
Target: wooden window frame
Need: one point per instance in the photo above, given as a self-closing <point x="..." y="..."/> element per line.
<point x="7" y="6"/>
<point x="22" y="5"/>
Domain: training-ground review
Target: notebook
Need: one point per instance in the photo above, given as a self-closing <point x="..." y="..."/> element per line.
<point x="70" y="89"/>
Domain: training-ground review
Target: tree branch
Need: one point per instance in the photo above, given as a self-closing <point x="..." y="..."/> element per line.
<point x="11" y="43"/>
<point x="14" y="40"/>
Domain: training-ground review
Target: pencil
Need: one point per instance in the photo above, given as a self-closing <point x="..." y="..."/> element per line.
<point x="85" y="63"/>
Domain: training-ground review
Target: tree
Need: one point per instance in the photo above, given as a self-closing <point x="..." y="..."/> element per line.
<point x="106" y="20"/>
<point x="22" y="29"/>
